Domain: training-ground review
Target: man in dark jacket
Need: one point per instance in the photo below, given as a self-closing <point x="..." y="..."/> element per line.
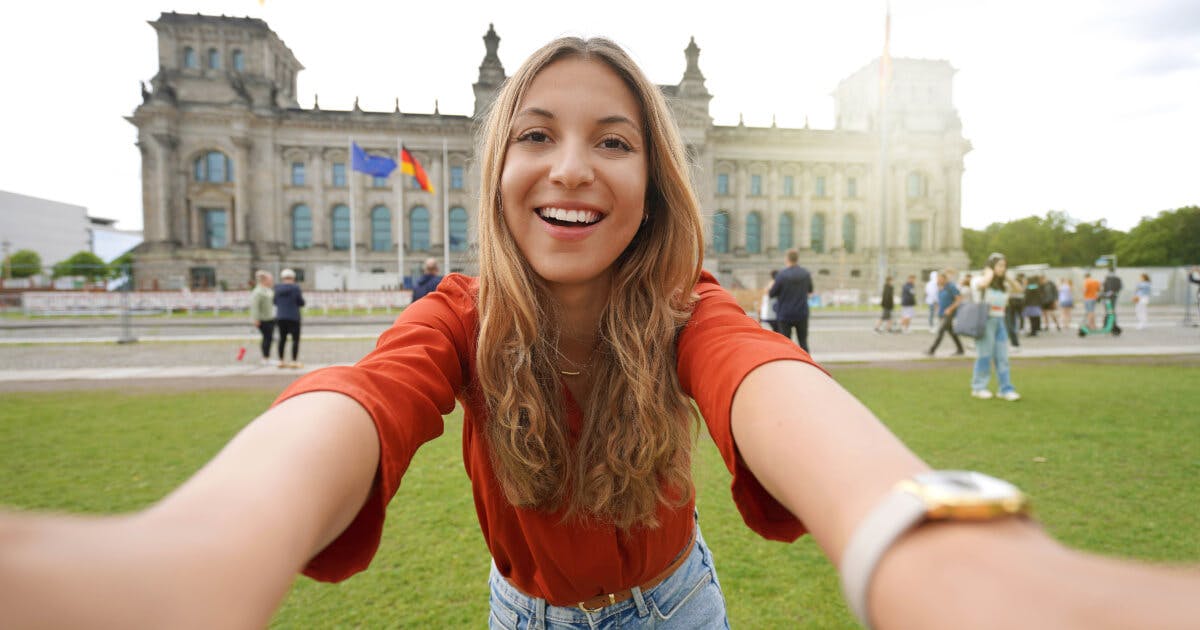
<point x="887" y="301"/>
<point x="288" y="301"/>
<point x="792" y="286"/>
<point x="428" y="282"/>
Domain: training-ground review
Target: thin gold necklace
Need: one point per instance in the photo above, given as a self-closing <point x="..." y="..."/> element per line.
<point x="570" y="373"/>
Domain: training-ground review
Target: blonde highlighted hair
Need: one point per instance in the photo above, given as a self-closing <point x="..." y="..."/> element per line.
<point x="633" y="453"/>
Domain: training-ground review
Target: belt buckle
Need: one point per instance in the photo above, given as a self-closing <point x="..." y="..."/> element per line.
<point x="612" y="599"/>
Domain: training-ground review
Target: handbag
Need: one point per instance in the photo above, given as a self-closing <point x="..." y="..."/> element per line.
<point x="971" y="319"/>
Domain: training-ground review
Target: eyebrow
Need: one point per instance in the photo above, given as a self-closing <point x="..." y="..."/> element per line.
<point x="607" y="120"/>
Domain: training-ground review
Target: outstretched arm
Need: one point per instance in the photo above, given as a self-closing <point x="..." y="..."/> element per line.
<point x="825" y="457"/>
<point x="220" y="551"/>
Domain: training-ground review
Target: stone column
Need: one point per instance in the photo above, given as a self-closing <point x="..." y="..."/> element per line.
<point x="320" y="205"/>
<point x="242" y="205"/>
<point x="769" y="234"/>
<point x="953" y="213"/>
<point x="737" y="216"/>
<point x="171" y="211"/>
<point x="804" y="221"/>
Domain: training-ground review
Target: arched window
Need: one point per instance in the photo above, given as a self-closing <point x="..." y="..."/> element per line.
<point x="817" y="243"/>
<point x="786" y="230"/>
<point x="301" y="227"/>
<point x="720" y="233"/>
<point x="214" y="167"/>
<point x="849" y="233"/>
<point x="214" y="59"/>
<point x="239" y="61"/>
<point x="340" y="218"/>
<point x="381" y="229"/>
<point x="418" y="229"/>
<point x="458" y="229"/>
<point x="753" y="233"/>
<point x="189" y="57"/>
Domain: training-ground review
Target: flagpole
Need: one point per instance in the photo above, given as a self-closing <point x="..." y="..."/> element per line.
<point x="884" y="80"/>
<point x="445" y="208"/>
<point x="350" y="183"/>
<point x="400" y="214"/>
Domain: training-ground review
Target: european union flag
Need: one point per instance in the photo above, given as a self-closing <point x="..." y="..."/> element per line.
<point x="375" y="165"/>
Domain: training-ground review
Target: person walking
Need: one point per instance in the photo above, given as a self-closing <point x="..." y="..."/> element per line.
<point x="769" y="305"/>
<point x="428" y="281"/>
<point x="1141" y="301"/>
<point x="1066" y="300"/>
<point x="1091" y="293"/>
<point x="288" y="300"/>
<point x="887" y="302"/>
<point x="931" y="300"/>
<point x="1033" y="304"/>
<point x="991" y="349"/>
<point x="948" y="300"/>
<point x="908" y="302"/>
<point x="793" y="284"/>
<point x="1050" y="304"/>
<point x="262" y="310"/>
<point x="1111" y="290"/>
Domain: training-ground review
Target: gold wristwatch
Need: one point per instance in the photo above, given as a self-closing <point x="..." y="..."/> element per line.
<point x="938" y="495"/>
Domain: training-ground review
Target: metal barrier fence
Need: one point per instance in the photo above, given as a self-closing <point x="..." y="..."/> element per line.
<point x="90" y="302"/>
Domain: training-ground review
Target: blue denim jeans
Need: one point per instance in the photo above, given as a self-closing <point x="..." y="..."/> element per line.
<point x="690" y="599"/>
<point x="991" y="348"/>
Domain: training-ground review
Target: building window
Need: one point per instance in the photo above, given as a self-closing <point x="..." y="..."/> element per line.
<point x="214" y="59"/>
<point x="720" y="236"/>
<point x="203" y="277"/>
<point x="753" y="233"/>
<point x="299" y="275"/>
<point x="458" y="229"/>
<point x="381" y="229"/>
<point x="297" y="173"/>
<point x="819" y="189"/>
<point x="789" y="186"/>
<point x="785" y="231"/>
<point x="456" y="178"/>
<point x="756" y="185"/>
<point x="916" y="234"/>
<point x="379" y="182"/>
<point x="216" y="228"/>
<point x="213" y="167"/>
<point x="916" y="185"/>
<point x="817" y="242"/>
<point x="340" y="220"/>
<point x="852" y="188"/>
<point x="301" y="227"/>
<point x="239" y="61"/>
<point x="723" y="183"/>
<point x="189" y="57"/>
<point x="849" y="233"/>
<point x="418" y="229"/>
<point x="339" y="174"/>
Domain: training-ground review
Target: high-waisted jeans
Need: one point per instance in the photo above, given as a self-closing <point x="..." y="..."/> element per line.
<point x="690" y="599"/>
<point x="991" y="348"/>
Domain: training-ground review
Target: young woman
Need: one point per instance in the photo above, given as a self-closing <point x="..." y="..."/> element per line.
<point x="1066" y="300"/>
<point x="574" y="356"/>
<point x="992" y="348"/>
<point x="1141" y="301"/>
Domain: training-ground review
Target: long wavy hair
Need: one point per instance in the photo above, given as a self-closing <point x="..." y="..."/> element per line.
<point x="633" y="453"/>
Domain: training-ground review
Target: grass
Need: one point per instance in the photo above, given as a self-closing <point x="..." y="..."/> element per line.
<point x="1110" y="454"/>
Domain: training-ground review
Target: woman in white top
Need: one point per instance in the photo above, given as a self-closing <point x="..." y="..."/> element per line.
<point x="992" y="347"/>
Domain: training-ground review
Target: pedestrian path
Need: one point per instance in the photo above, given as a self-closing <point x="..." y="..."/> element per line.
<point x="251" y="370"/>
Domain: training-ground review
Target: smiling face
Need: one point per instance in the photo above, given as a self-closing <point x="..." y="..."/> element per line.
<point x="574" y="181"/>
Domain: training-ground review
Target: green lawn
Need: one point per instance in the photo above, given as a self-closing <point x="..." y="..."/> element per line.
<point x="1110" y="454"/>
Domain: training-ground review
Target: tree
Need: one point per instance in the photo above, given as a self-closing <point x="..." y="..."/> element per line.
<point x="84" y="264"/>
<point x="1088" y="242"/>
<point x="23" y="264"/>
<point x="1169" y="239"/>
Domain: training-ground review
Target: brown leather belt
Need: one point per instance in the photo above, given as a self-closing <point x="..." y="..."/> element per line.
<point x="598" y="602"/>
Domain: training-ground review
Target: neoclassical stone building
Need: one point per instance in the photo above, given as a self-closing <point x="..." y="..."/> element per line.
<point x="236" y="175"/>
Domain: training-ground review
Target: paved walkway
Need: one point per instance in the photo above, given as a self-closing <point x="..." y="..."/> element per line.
<point x="199" y="348"/>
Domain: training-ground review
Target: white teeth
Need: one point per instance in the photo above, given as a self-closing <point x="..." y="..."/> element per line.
<point x="570" y="216"/>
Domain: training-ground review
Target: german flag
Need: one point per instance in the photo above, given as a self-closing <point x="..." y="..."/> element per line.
<point x="410" y="166"/>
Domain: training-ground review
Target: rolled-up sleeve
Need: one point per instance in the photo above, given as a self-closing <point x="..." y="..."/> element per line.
<point x="717" y="348"/>
<point x="406" y="385"/>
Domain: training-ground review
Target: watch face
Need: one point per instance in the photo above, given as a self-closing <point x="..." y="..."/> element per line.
<point x="966" y="495"/>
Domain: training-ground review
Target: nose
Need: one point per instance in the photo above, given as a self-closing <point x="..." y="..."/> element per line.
<point x="572" y="166"/>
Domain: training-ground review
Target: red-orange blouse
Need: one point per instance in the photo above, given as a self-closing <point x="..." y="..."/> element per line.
<point x="427" y="359"/>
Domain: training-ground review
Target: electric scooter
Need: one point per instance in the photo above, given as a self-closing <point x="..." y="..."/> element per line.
<point x="1110" y="319"/>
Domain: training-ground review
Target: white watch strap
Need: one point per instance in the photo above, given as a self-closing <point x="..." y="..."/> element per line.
<point x="892" y="516"/>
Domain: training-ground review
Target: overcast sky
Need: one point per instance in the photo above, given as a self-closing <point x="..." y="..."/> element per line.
<point x="1090" y="107"/>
